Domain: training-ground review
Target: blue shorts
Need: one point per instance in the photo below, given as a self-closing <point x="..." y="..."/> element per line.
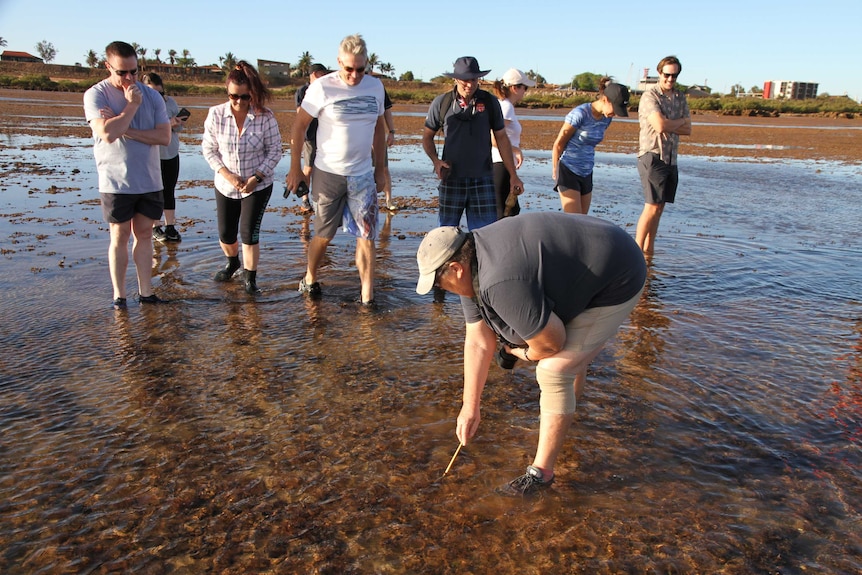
<point x="476" y="196"/>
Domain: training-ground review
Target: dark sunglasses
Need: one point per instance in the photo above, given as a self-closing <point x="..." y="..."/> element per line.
<point x="243" y="97"/>
<point x="122" y="73"/>
<point x="350" y="70"/>
<point x="674" y="76"/>
<point x="441" y="271"/>
<point x="524" y="86"/>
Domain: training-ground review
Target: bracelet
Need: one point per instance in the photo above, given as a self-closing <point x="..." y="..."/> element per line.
<point x="258" y="177"/>
<point x="527" y="357"/>
<point x="391" y="131"/>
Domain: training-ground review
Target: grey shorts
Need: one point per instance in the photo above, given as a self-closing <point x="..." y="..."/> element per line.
<point x="348" y="201"/>
<point x="659" y="180"/>
<point x="119" y="208"/>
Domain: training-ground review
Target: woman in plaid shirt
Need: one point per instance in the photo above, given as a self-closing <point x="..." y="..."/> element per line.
<point x="242" y="144"/>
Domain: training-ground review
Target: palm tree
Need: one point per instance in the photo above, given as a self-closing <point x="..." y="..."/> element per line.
<point x="158" y="51"/>
<point x="172" y="54"/>
<point x="92" y="59"/>
<point x="3" y="41"/>
<point x="386" y="68"/>
<point x="228" y="61"/>
<point x="142" y="52"/>
<point x="304" y="64"/>
<point x="373" y="60"/>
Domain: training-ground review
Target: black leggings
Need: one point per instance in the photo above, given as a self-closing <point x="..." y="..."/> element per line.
<point x="170" y="175"/>
<point x="243" y="216"/>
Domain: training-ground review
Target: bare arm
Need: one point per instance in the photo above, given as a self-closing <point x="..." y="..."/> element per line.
<point x="660" y="124"/>
<point x="566" y="133"/>
<point x="431" y="150"/>
<point x="516" y="186"/>
<point x="546" y="343"/>
<point x="297" y="139"/>
<point x="479" y="347"/>
<point x="158" y="136"/>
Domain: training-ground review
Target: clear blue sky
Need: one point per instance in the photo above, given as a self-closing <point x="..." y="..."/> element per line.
<point x="720" y="44"/>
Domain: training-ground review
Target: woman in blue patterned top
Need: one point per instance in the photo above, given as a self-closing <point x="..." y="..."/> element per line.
<point x="574" y="151"/>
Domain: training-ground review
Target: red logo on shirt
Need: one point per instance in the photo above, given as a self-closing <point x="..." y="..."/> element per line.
<point x="480" y="107"/>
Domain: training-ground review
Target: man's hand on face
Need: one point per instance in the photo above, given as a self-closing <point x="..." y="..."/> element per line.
<point x="133" y="94"/>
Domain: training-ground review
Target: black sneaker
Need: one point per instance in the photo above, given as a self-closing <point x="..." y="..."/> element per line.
<point x="312" y="290"/>
<point x="171" y="234"/>
<point x="528" y="485"/>
<point x="151" y="299"/>
<point x="119" y="304"/>
<point x="159" y="234"/>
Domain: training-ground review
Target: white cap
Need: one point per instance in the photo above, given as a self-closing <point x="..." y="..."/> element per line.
<point x="513" y="77"/>
<point x="439" y="245"/>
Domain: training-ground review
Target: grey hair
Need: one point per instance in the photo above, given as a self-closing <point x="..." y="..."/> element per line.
<point x="354" y="44"/>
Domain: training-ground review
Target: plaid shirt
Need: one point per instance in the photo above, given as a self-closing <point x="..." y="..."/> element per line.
<point x="672" y="106"/>
<point x="256" y="149"/>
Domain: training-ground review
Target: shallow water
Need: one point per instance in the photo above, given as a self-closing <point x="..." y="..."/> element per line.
<point x="719" y="432"/>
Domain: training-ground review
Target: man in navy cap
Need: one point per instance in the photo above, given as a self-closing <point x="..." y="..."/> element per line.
<point x="468" y="116"/>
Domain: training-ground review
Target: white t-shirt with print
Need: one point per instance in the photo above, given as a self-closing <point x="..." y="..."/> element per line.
<point x="347" y="116"/>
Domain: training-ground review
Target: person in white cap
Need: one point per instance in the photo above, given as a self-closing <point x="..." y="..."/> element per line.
<point x="574" y="152"/>
<point x="551" y="288"/>
<point x="510" y="91"/>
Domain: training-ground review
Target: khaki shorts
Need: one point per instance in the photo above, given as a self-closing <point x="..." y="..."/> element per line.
<point x="595" y="325"/>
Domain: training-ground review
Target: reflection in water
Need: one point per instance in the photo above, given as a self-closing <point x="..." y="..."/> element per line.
<point x="718" y="432"/>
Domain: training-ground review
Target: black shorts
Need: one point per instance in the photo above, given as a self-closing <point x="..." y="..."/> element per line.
<point x="119" y="208"/>
<point x="568" y="180"/>
<point x="659" y="180"/>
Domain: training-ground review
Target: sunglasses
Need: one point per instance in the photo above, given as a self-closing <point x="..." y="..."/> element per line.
<point x="121" y="73"/>
<point x="441" y="271"/>
<point x="350" y="70"/>
<point x="524" y="86"/>
<point x="672" y="76"/>
<point x="243" y="97"/>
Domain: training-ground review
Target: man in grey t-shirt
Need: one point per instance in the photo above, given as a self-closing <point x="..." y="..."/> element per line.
<point x="129" y="123"/>
<point x="551" y="288"/>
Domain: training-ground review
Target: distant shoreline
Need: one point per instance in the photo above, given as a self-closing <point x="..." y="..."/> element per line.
<point x="796" y="137"/>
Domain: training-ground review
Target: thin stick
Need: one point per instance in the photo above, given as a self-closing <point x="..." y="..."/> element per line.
<point x="460" y="445"/>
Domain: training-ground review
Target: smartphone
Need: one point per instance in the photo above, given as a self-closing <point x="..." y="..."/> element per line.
<point x="301" y="190"/>
<point x="183" y="114"/>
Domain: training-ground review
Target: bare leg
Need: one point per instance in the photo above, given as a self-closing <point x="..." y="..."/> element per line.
<point x="648" y="227"/>
<point x="387" y="186"/>
<point x="142" y="252"/>
<point x="170" y="218"/>
<point x="586" y="199"/>
<point x="365" y="251"/>
<point x="118" y="256"/>
<point x="230" y="250"/>
<point x="316" y="250"/>
<point x="553" y="427"/>
<point x="250" y="256"/>
<point x="571" y="201"/>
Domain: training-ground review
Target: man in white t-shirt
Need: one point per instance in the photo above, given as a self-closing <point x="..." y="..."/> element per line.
<point x="348" y="105"/>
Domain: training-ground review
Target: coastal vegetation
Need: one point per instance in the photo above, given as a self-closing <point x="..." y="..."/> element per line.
<point x="406" y="92"/>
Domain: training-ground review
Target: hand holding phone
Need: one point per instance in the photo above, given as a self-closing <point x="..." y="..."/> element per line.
<point x="183" y="114"/>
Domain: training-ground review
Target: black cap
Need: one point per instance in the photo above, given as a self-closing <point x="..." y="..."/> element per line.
<point x="318" y="69"/>
<point x="618" y="96"/>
